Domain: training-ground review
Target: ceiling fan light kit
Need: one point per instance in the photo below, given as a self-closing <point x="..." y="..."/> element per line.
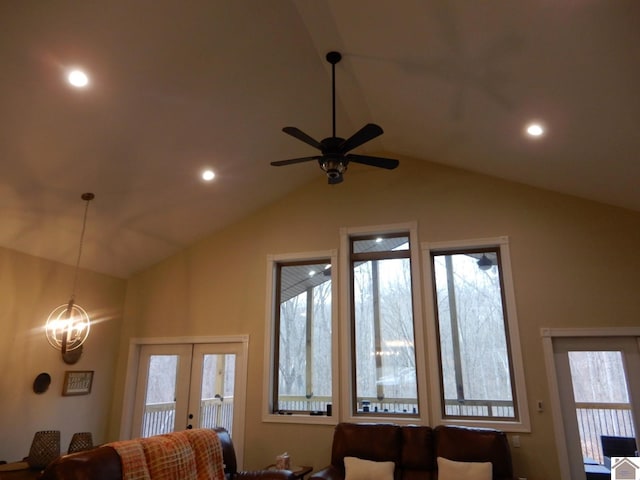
<point x="335" y="156"/>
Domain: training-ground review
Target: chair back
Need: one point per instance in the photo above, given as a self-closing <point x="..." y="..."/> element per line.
<point x="45" y="448"/>
<point x="80" y="442"/>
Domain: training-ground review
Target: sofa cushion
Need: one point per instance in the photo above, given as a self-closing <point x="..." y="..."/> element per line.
<point x="464" y="444"/>
<point x="418" y="451"/>
<point x="451" y="470"/>
<point x="414" y="449"/>
<point x="359" y="469"/>
<point x="378" y="442"/>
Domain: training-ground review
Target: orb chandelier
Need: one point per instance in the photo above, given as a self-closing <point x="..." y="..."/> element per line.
<point x="68" y="325"/>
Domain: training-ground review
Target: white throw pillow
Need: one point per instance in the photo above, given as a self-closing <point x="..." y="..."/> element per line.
<point x="450" y="470"/>
<point x="359" y="469"/>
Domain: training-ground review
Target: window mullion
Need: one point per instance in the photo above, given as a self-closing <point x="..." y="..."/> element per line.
<point x="455" y="330"/>
<point x="308" y="344"/>
<point x="375" y="294"/>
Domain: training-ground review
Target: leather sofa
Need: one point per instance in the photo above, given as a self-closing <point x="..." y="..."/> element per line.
<point x="104" y="463"/>
<point x="414" y="449"/>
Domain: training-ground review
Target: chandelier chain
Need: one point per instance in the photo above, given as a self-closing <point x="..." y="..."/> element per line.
<point x="84" y="226"/>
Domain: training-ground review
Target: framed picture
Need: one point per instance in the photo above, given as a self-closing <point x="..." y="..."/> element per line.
<point x="77" y="382"/>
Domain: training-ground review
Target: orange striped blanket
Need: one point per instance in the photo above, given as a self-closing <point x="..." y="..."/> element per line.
<point x="187" y="455"/>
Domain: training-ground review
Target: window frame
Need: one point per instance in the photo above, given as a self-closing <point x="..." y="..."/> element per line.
<point x="522" y="423"/>
<point x="348" y="394"/>
<point x="271" y="335"/>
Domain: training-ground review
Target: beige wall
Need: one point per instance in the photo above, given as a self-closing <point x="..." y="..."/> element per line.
<point x="31" y="288"/>
<point x="575" y="264"/>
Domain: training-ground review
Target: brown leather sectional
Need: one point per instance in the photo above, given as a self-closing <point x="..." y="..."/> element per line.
<point x="103" y="463"/>
<point x="414" y="449"/>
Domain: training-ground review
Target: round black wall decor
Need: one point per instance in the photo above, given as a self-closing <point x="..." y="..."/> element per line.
<point x="41" y="383"/>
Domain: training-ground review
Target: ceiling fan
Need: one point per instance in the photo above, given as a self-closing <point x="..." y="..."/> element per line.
<point x="335" y="157"/>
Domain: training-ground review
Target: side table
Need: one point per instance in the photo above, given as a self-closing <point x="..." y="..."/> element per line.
<point x="25" y="474"/>
<point x="299" y="471"/>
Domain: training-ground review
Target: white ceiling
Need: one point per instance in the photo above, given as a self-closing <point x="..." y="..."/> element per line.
<point x="177" y="86"/>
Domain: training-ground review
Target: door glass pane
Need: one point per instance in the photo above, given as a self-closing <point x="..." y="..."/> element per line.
<point x="216" y="397"/>
<point x="160" y="398"/>
<point x="603" y="407"/>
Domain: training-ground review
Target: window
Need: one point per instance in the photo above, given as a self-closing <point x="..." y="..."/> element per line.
<point x="471" y="360"/>
<point x="475" y="336"/>
<point x="383" y="354"/>
<point x="302" y="342"/>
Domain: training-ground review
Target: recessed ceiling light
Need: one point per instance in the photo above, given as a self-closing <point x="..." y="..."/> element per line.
<point x="535" y="130"/>
<point x="78" y="78"/>
<point x="208" y="175"/>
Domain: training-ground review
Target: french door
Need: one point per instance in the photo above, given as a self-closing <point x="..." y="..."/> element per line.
<point x="598" y="391"/>
<point x="190" y="385"/>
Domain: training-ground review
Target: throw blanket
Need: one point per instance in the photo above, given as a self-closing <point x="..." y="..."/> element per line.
<point x="188" y="455"/>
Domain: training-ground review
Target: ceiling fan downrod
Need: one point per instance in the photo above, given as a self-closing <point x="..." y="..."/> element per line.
<point x="333" y="58"/>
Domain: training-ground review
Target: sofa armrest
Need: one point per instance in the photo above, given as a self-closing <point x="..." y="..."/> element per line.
<point x="328" y="473"/>
<point x="265" y="474"/>
<point x="101" y="463"/>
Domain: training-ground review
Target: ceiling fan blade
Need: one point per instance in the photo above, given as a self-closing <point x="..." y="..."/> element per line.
<point x="300" y="135"/>
<point x="291" y="161"/>
<point x="366" y="133"/>
<point x="387" y="163"/>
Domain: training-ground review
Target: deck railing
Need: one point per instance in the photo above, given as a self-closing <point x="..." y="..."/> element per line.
<point x="596" y="419"/>
<point x="292" y="403"/>
<point x="479" y="408"/>
<point x="469" y="408"/>
<point x="159" y="418"/>
<point x="217" y="412"/>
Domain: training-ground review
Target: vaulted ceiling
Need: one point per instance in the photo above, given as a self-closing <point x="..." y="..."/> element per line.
<point x="176" y="87"/>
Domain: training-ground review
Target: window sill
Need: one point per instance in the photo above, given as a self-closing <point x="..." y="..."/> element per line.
<point x="300" y="419"/>
<point x="505" y="426"/>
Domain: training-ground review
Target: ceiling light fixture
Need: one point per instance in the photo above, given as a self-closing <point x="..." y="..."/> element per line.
<point x="68" y="325"/>
<point x="485" y="262"/>
<point x="208" y="175"/>
<point x="535" y="130"/>
<point x="78" y="78"/>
